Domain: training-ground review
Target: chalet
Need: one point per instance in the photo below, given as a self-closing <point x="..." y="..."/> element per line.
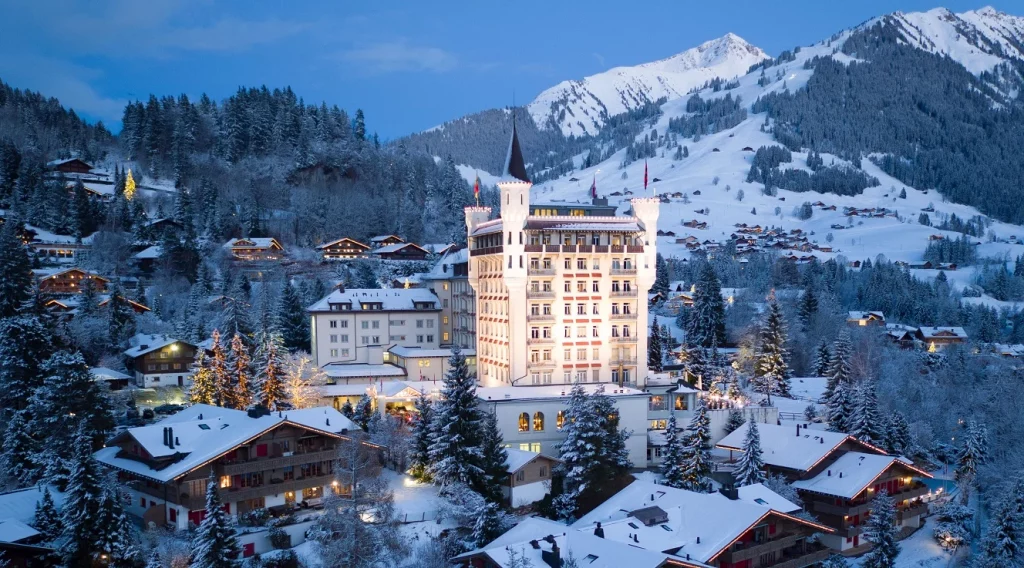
<point x="863" y="319"/>
<point x="53" y="248"/>
<point x="135" y="306"/>
<point x="902" y="335"/>
<point x="160" y="360"/>
<point x="826" y="248"/>
<point x="945" y="266"/>
<point x="157" y="228"/>
<point x="95" y="190"/>
<point x="529" y="476"/>
<point x="400" y="251"/>
<point x="278" y="461"/>
<point x="343" y="248"/>
<point x="385" y="240"/>
<point x="853" y="264"/>
<point x="936" y="338"/>
<point x="837" y="476"/>
<point x="69" y="166"/>
<point x="696" y="192"/>
<point x="747" y="149"/>
<point x="69" y="281"/>
<point x="115" y="380"/>
<point x="926" y="265"/>
<point x="147" y="258"/>
<point x="439" y="249"/>
<point x="715" y="150"/>
<point x="655" y="180"/>
<point x="255" y="249"/>
<point x="677" y="195"/>
<point x="695" y="224"/>
<point x="68" y="306"/>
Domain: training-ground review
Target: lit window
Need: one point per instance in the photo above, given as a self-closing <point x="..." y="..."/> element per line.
<point x="538" y="421"/>
<point x="524" y="422"/>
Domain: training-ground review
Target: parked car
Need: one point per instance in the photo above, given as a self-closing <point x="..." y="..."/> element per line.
<point x="168" y="408"/>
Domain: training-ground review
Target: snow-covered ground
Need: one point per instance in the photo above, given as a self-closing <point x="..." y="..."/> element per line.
<point x="917" y="550"/>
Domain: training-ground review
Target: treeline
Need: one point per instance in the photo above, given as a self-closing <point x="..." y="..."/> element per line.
<point x="960" y="251"/>
<point x="841" y="180"/>
<point x="708" y="116"/>
<point x="942" y="127"/>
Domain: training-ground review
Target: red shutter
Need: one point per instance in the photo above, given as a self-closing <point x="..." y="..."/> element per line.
<point x="261" y="451"/>
<point x="771" y="529"/>
<point x="173" y="515"/>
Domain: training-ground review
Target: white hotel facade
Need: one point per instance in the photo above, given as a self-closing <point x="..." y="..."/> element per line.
<point x="560" y="298"/>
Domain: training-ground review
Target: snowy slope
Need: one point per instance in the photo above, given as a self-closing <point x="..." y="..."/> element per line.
<point x="979" y="39"/>
<point x="582" y="106"/>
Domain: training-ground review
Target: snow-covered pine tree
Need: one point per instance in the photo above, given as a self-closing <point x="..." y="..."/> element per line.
<point x="672" y="455"/>
<point x="118" y="539"/>
<point x="419" y="456"/>
<point x="655" y="354"/>
<point x="1003" y="544"/>
<point x="494" y="460"/>
<point x="661" y="281"/>
<point x="881" y="531"/>
<point x="488" y="525"/>
<point x="154" y="561"/>
<point x="973" y="452"/>
<point x="292" y="320"/>
<point x="840" y="363"/>
<point x="25" y="343"/>
<point x="705" y="321"/>
<point x="239" y="370"/>
<point x="455" y="455"/>
<point x="614" y="455"/>
<point x="68" y="390"/>
<point x="697" y="451"/>
<point x="271" y="393"/>
<point x="80" y="520"/>
<point x="204" y="387"/>
<point x="822" y="360"/>
<point x="578" y="452"/>
<point x="835" y="561"/>
<point x="347" y="409"/>
<point x="218" y="363"/>
<point x="47" y="520"/>
<point x="771" y="372"/>
<point x="808" y="308"/>
<point x="897" y="434"/>
<point x="363" y="412"/>
<point x="840" y="408"/>
<point x="17" y="460"/>
<point x="866" y="422"/>
<point x="214" y="544"/>
<point x="15" y="270"/>
<point x="234" y="318"/>
<point x="750" y="467"/>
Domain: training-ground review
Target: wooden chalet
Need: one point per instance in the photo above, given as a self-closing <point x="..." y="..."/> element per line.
<point x="160" y="360"/>
<point x="255" y="249"/>
<point x="385" y="240"/>
<point x="400" y="251"/>
<point x="343" y="249"/>
<point x="70" y="166"/>
<point x="69" y="281"/>
<point x="863" y="319"/>
<point x="937" y="338"/>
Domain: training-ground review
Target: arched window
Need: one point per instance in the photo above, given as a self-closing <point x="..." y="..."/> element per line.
<point x="538" y="421"/>
<point x="560" y="419"/>
<point x="524" y="422"/>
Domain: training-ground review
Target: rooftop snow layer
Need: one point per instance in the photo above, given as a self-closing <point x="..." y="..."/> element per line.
<point x="549" y="391"/>
<point x="850" y="474"/>
<point x="781" y="447"/>
<point x="399" y="299"/>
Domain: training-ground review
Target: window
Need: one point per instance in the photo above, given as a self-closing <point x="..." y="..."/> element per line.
<point x="595" y="309"/>
<point x="658" y="424"/>
<point x="376" y="340"/>
<point x="567" y="334"/>
<point x="567" y="355"/>
<point x="593" y="332"/>
<point x="524" y="447"/>
<point x="430" y="324"/>
<point x="560" y="419"/>
<point x="656" y="402"/>
<point x="535" y="377"/>
<point x="419" y="339"/>
<point x="567" y="377"/>
<point x="365" y="325"/>
<point x="581" y="285"/>
<point x="596" y="354"/>
<point x="430" y="338"/>
<point x="581" y="309"/>
<point x="538" y="421"/>
<point x="568" y="309"/>
<point x="344" y="338"/>
<point x="535" y="447"/>
<point x="334" y="352"/>
<point x="334" y="324"/>
<point x="445" y="336"/>
<point x="568" y="286"/>
<point x="596" y="375"/>
<point x="581" y="376"/>
<point x="419" y="324"/>
<point x="397" y="322"/>
<point x="520" y="475"/>
<point x="568" y="264"/>
<point x="524" y="422"/>
<point x="581" y="331"/>
<point x="596" y="286"/>
<point x="344" y="352"/>
<point x="344" y="324"/>
<point x="597" y="263"/>
<point x="546" y="377"/>
<point x="581" y="354"/>
<point x="334" y="338"/>
<point x="682" y="402"/>
<point x="581" y="263"/>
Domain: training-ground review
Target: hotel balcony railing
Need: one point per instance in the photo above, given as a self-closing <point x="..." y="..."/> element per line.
<point x="542" y="271"/>
<point x="623" y="293"/>
<point x="624" y="316"/>
<point x="623" y="271"/>
<point x="539" y="340"/>
<point x="541" y="317"/>
<point x="623" y="339"/>
<point x="541" y="364"/>
<point x="540" y="293"/>
<point x="622" y="362"/>
<point x="912" y="511"/>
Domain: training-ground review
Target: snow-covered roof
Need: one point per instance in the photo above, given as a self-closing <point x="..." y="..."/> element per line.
<point x="759" y="494"/>
<point x="21" y="504"/>
<point x="382" y="238"/>
<point x="44" y="273"/>
<point x="55" y="163"/>
<point x="343" y="390"/>
<point x="398" y="299"/>
<point x="865" y="315"/>
<point x="405" y="351"/>
<point x="517" y="459"/>
<point x="437" y="248"/>
<point x="942" y="332"/>
<point x="781" y="447"/>
<point x="487" y="228"/>
<point x="387" y="249"/>
<point x="42" y="236"/>
<point x="495" y="394"/>
<point x="445" y="268"/>
<point x="146" y="343"/>
<point x="257" y="243"/>
<point x="155" y="251"/>
<point x="204" y="432"/>
<point x="390" y="389"/>
<point x="105" y="374"/>
<point x="13" y="530"/>
<point x="851" y="474"/>
<point x="359" y="370"/>
<point x="547" y="223"/>
<point x="343" y="239"/>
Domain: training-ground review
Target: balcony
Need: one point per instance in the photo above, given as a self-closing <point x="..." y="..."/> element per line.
<point x="623" y="271"/>
<point x="623" y="294"/>
<point x="568" y="248"/>
<point x="268" y="464"/>
<point x="622" y="362"/>
<point x="635" y="248"/>
<point x="539" y="340"/>
<point x="485" y="251"/>
<point x="623" y="339"/>
<point x="624" y="316"/>
<point x="600" y="248"/>
<point x="841" y="510"/>
<point x="541" y="317"/>
<point x="533" y="248"/>
<point x="756" y="550"/>
<point x="542" y="271"/>
<point x="266" y="489"/>
<point x="540" y="293"/>
<point x="911" y="512"/>
<point x="548" y="364"/>
<point x="585" y="248"/>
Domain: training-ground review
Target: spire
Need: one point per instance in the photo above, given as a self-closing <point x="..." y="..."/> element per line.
<point x="514" y="165"/>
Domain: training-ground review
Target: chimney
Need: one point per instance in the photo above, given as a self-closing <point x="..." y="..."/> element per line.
<point x="797" y="430"/>
<point x="730" y="491"/>
<point x="170" y="437"/>
<point x="165" y="435"/>
<point x="176" y="442"/>
<point x="698" y="540"/>
<point x="200" y="415"/>
<point x="840" y="475"/>
<point x="821" y="440"/>
<point x="636" y="539"/>
<point x="598" y="531"/>
<point x="328" y="421"/>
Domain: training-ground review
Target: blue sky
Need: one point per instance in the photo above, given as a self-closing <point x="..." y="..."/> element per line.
<point x="409" y="65"/>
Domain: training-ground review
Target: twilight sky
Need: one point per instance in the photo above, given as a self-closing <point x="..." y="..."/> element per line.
<point x="409" y="64"/>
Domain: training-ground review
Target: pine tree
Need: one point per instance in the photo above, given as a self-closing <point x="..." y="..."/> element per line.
<point x="347" y="410"/>
<point x="973" y="452"/>
<point x="419" y="456"/>
<point x="19" y="450"/>
<point x="204" y="384"/>
<point x="881" y="531"/>
<point x="1003" y="540"/>
<point x="235" y="316"/>
<point x="771" y="372"/>
<point x="270" y="378"/>
<point x="578" y="451"/>
<point x="292" y="320"/>
<point x="750" y="468"/>
<point x="697" y="451"/>
<point x="455" y="455"/>
<point x="866" y="424"/>
<point x="661" y="282"/>
<point x="69" y="395"/>
<point x="840" y="363"/>
<point x="822" y="360"/>
<point x="214" y="544"/>
<point x="25" y="343"/>
<point x="15" y="270"/>
<point x="705" y="323"/>
<point x="363" y="412"/>
<point x="614" y="455"/>
<point x="808" y="308"/>
<point x="129" y="186"/>
<point x="494" y="459"/>
<point x="218" y="364"/>
<point x="840" y="408"/>
<point x="117" y="539"/>
<point x="47" y="520"/>
<point x="239" y="395"/>
<point x="655" y="355"/>
<point x="735" y="420"/>
<point x="672" y="456"/>
<point x="897" y="435"/>
<point x="80" y="514"/>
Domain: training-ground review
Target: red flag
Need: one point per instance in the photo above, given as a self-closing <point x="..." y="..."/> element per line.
<point x="593" y="188"/>
<point x="476" y="188"/>
<point x="645" y="175"/>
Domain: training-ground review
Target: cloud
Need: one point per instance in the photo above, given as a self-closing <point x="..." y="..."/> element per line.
<point x="394" y="56"/>
<point x="67" y="82"/>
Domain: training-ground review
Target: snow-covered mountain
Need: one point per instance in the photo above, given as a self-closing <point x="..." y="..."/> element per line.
<point x="582" y="106"/>
<point x="978" y="39"/>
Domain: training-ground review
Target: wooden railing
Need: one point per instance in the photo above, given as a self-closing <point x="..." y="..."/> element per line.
<point x="486" y="250"/>
<point x="265" y="464"/>
<point x="756" y="550"/>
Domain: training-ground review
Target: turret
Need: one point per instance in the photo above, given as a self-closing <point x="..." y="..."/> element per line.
<point x="515" y="187"/>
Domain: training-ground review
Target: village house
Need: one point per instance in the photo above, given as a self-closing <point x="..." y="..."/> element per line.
<point x="160" y="361"/>
<point x="449" y="279"/>
<point x="863" y="319"/>
<point x="529" y="477"/>
<point x="115" y="380"/>
<point x="278" y="461"/>
<point x="255" y="249"/>
<point x="61" y="282"/>
<point x="69" y="166"/>
<point x="937" y="338"/>
<point x="837" y="476"/>
<point x="385" y="240"/>
<point x="52" y="248"/>
<point x="70" y="305"/>
<point x="343" y="249"/>
<point x="400" y="251"/>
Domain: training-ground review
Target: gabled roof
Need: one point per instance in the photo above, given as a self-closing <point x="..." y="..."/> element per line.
<point x="361" y="370"/>
<point x="382" y="238"/>
<point x="105" y="374"/>
<point x="852" y="473"/>
<point x="257" y="243"/>
<point x="404" y="351"/>
<point x="21" y="504"/>
<point x="398" y="299"/>
<point x="44" y="274"/>
<point x="515" y="166"/>
<point x="55" y="163"/>
<point x="865" y="315"/>
<point x="389" y="249"/>
<point x="942" y="332"/>
<point x="13" y="530"/>
<point x="518" y="459"/>
<point x="145" y="343"/>
<point x="341" y="240"/>
<point x="781" y="447"/>
<point x="155" y="251"/>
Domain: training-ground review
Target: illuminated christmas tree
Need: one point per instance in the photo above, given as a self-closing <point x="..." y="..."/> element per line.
<point x="129" y="186"/>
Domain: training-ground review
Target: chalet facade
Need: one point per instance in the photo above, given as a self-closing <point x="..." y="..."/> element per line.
<point x="863" y="319"/>
<point x="529" y="477"/>
<point x="385" y="240"/>
<point x="938" y="338"/>
<point x="160" y="361"/>
<point x="400" y="251"/>
<point x="69" y="166"/>
<point x="276" y="461"/>
<point x="343" y="249"/>
<point x="255" y="249"/>
<point x="69" y="281"/>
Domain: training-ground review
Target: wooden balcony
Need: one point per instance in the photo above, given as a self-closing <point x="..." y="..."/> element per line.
<point x="585" y="248"/>
<point x="533" y="248"/>
<point x="486" y="251"/>
<point x="267" y="464"/>
<point x="757" y="550"/>
<point x="911" y="512"/>
<point x="809" y="559"/>
<point x="635" y="248"/>
<point x="841" y="510"/>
